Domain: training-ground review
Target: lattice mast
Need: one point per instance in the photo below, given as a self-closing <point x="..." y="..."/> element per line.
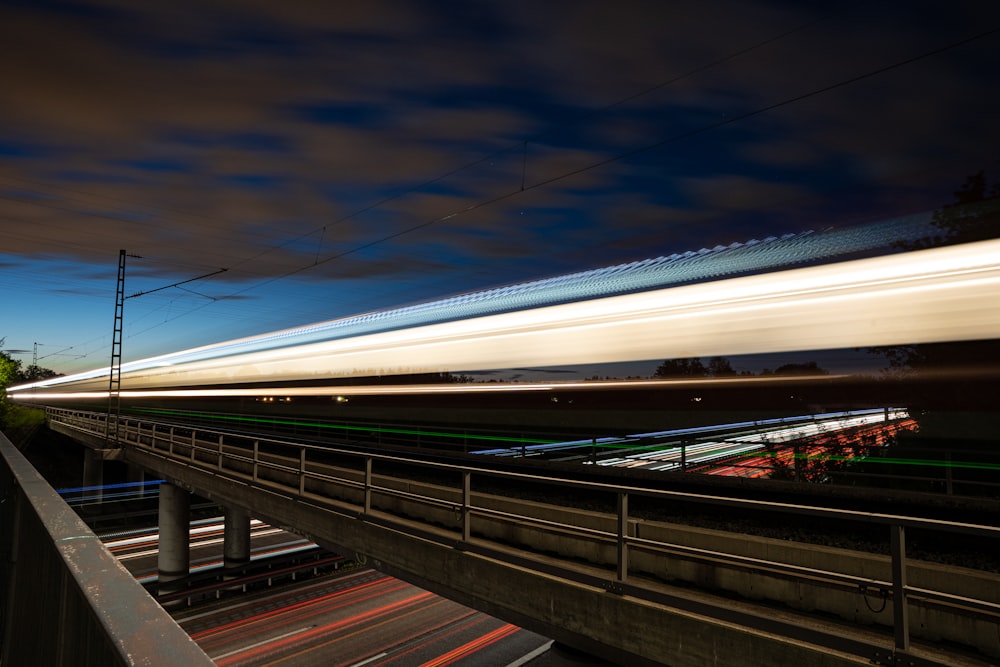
<point x="115" y="374"/>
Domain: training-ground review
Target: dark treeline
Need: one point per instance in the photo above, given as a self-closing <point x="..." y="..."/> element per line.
<point x="721" y="367"/>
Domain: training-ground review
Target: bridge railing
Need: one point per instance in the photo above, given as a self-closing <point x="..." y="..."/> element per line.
<point x="65" y="599"/>
<point x="459" y="504"/>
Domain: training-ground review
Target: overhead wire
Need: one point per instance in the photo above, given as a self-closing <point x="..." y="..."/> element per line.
<point x="639" y="150"/>
<point x="623" y="155"/>
<point x="526" y="187"/>
<point x="522" y="143"/>
<point x="413" y="189"/>
<point x="432" y="181"/>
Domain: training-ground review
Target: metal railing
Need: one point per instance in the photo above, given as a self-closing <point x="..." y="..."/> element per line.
<point x="864" y="456"/>
<point x="56" y="581"/>
<point x="469" y="513"/>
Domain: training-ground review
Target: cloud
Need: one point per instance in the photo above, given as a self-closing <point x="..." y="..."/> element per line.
<point x="734" y="192"/>
<point x="388" y="141"/>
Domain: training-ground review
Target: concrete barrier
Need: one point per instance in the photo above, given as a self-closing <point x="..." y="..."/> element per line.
<point x="66" y="600"/>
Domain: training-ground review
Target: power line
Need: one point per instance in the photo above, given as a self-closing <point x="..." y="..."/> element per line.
<point x="648" y="147"/>
<point x="521" y="144"/>
<point x="597" y="164"/>
<point x="615" y="158"/>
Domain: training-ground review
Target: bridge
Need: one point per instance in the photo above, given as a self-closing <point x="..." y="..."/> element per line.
<point x="632" y="587"/>
<point x="633" y="590"/>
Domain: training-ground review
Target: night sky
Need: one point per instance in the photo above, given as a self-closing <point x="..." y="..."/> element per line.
<point x="342" y="157"/>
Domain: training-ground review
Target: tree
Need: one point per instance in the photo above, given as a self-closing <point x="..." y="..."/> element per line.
<point x="973" y="216"/>
<point x="717" y="367"/>
<point x="807" y="368"/>
<point x="35" y="373"/>
<point x="10" y="370"/>
<point x="948" y="378"/>
<point x="16" y="421"/>
<point x="687" y="368"/>
<point x="720" y="367"/>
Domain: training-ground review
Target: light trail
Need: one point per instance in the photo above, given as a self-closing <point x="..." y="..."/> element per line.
<point x="341" y="428"/>
<point x="363" y="622"/>
<point x="196" y="532"/>
<point x="473" y="646"/>
<point x="934" y="295"/>
<point x="299" y="611"/>
<point x="264" y="642"/>
<point x="345" y="391"/>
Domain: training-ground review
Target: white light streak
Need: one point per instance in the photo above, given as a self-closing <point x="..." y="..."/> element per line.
<point x="935" y="295"/>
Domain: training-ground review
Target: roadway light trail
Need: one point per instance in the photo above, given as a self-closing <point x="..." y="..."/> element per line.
<point x="361" y="617"/>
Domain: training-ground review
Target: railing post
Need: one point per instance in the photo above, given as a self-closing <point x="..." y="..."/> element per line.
<point x="622" y="535"/>
<point x="219" y="459"/>
<point x="256" y="454"/>
<point x="170" y="443"/>
<point x="194" y="439"/>
<point x="948" y="479"/>
<point x="466" y="505"/>
<point x="900" y="618"/>
<point x="368" y="485"/>
<point x="684" y="456"/>
<point x="302" y="471"/>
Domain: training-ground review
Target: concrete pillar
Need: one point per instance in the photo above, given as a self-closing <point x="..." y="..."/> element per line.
<point x="134" y="474"/>
<point x="236" y="538"/>
<point x="175" y="518"/>
<point x="93" y="471"/>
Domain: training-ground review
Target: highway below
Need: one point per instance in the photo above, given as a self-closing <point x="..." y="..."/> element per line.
<point x="352" y="616"/>
<point x="358" y="617"/>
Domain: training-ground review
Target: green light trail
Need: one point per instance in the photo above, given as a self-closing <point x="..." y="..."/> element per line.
<point x="620" y="445"/>
<point x="347" y="427"/>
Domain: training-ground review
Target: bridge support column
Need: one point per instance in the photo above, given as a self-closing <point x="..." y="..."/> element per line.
<point x="175" y="518"/>
<point x="93" y="471"/>
<point x="236" y="538"/>
<point x="135" y="474"/>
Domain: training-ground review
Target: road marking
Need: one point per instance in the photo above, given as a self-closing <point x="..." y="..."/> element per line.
<point x="265" y="642"/>
<point x="531" y="656"/>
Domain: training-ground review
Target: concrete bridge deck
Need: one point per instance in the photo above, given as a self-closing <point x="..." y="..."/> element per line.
<point x="628" y="590"/>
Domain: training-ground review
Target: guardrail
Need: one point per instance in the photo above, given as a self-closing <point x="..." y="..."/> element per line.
<point x="58" y="582"/>
<point x="856" y="456"/>
<point x="467" y="511"/>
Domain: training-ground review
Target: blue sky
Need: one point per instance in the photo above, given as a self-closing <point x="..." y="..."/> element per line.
<point x="340" y="158"/>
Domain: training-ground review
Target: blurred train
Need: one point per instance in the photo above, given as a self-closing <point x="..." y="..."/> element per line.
<point x="343" y="369"/>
